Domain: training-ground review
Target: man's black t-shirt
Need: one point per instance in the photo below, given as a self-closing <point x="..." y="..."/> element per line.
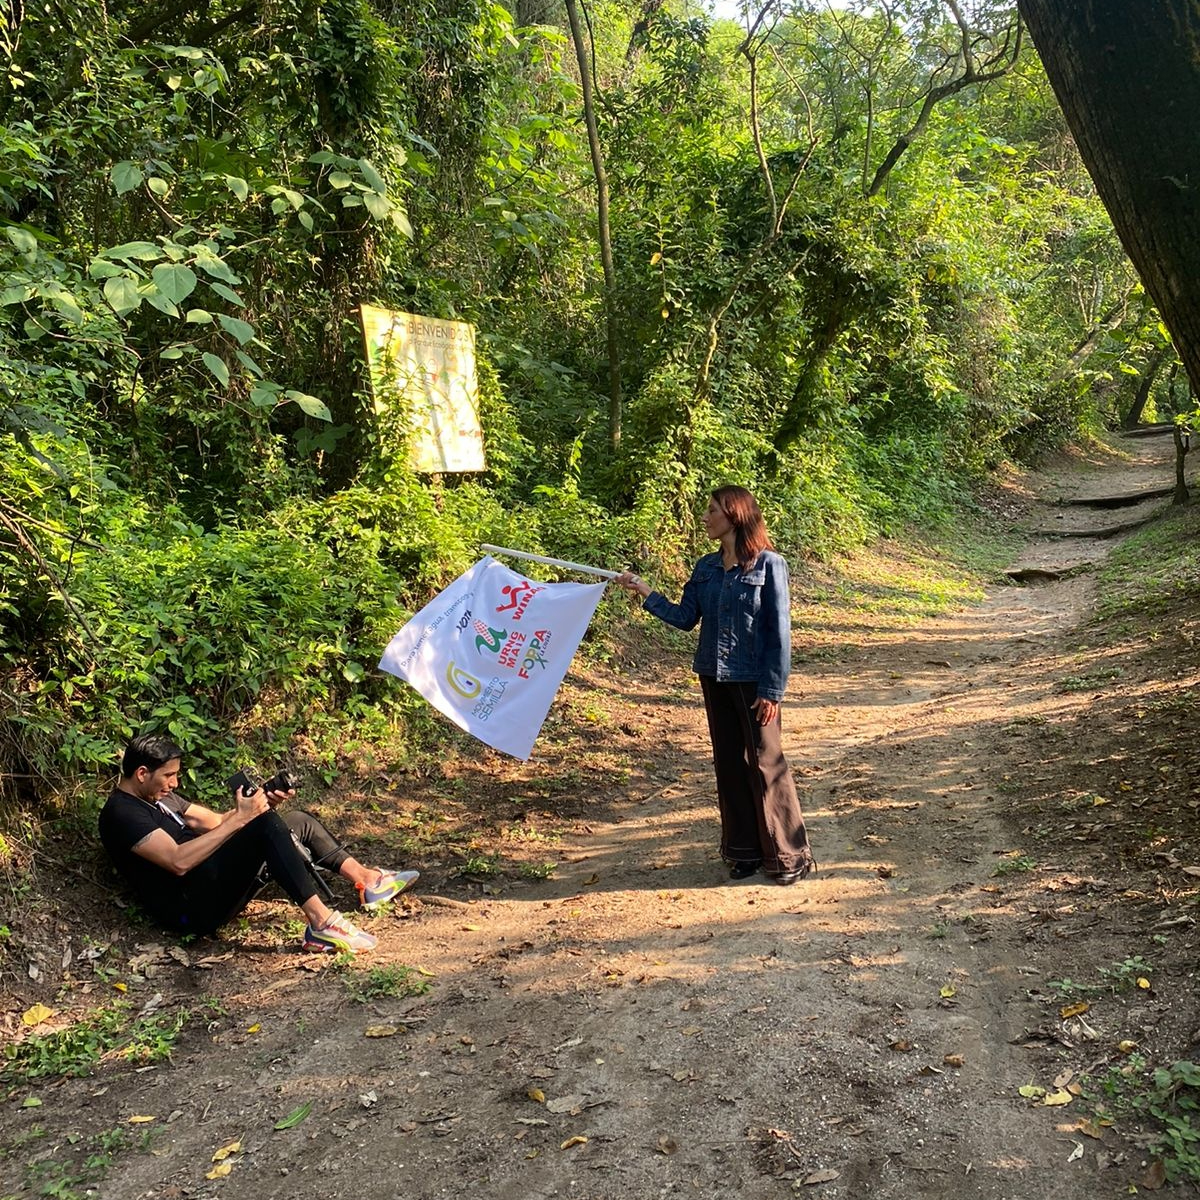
<point x="125" y="821"/>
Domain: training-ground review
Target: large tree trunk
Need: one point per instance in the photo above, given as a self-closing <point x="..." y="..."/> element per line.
<point x="1128" y="78"/>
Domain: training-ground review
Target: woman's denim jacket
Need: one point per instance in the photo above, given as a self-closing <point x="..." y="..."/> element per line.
<point x="745" y="621"/>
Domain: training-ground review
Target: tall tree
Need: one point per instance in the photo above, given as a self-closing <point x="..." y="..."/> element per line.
<point x="602" y="224"/>
<point x="1129" y="84"/>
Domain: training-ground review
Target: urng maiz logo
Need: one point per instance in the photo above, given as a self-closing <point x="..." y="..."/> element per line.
<point x="507" y="647"/>
<point x="489" y="638"/>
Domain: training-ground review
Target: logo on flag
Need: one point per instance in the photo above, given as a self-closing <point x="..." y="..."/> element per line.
<point x="491" y="650"/>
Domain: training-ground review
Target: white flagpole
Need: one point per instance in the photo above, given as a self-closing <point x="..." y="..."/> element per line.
<point x="550" y="562"/>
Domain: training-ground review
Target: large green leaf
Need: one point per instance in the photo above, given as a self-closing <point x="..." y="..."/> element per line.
<point x="22" y="239"/>
<point x="249" y="363"/>
<point x="213" y="265"/>
<point x="218" y="368"/>
<point x="378" y="206"/>
<point x="308" y="404"/>
<point x="64" y="302"/>
<point x="17" y="294"/>
<point x="175" y="281"/>
<point x="238" y="186"/>
<point x="242" y="330"/>
<point x="125" y="177"/>
<point x="228" y="294"/>
<point x="143" y="251"/>
<point x="122" y="293"/>
<point x="371" y="175"/>
<point x="153" y="296"/>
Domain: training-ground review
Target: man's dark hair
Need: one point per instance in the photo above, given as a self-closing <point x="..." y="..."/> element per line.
<point x="150" y="751"/>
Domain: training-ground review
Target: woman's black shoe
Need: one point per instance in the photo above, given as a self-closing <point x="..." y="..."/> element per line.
<point x="801" y="872"/>
<point x="743" y="870"/>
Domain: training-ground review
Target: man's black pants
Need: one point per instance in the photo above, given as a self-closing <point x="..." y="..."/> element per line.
<point x="216" y="890"/>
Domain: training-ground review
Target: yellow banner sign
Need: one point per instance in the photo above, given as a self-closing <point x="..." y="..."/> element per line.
<point x="429" y="365"/>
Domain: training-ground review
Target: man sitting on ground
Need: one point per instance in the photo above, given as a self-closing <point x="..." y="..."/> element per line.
<point x="194" y="869"/>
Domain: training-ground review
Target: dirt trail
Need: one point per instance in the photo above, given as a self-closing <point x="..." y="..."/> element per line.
<point x="863" y="1033"/>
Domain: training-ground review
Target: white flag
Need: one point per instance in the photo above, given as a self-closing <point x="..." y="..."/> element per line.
<point x="491" y="650"/>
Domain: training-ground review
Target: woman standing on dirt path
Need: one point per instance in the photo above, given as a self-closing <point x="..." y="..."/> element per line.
<point x="740" y="596"/>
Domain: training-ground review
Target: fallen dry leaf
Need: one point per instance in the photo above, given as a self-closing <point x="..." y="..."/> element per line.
<point x="953" y="1060"/>
<point x="1073" y="1010"/>
<point x="590" y="880"/>
<point x="378" y="1031"/>
<point x="1076" y="1154"/>
<point x="1155" y="1176"/>
<point x="577" y="1140"/>
<point x="1031" y="1091"/>
<point x="1126" y="1046"/>
<point x="536" y="1094"/>
<point x="1143" y="983"/>
<point x="36" y="1015"/>
<point x="666" y="1145"/>
<point x="219" y="1171"/>
<point x="140" y="1120"/>
<point x="826" y="1176"/>
<point x="947" y="991"/>
<point x="901" y="1045"/>
<point x="225" y="1151"/>
<point x="1057" y="1098"/>
<point x="1089" y="1129"/>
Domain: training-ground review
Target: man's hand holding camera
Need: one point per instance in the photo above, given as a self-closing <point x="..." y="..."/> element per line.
<point x="280" y="787"/>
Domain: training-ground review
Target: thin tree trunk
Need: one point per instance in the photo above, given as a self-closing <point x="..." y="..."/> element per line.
<point x="974" y="72"/>
<point x="1150" y="372"/>
<point x="602" y="227"/>
<point x="1182" y="446"/>
<point x="1088" y="344"/>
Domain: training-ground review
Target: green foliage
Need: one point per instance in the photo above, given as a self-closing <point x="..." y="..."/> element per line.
<point x="208" y="526"/>
<point x="1020" y="865"/>
<point x="1115" y="978"/>
<point x="115" y="1031"/>
<point x="1173" y="1100"/>
<point x="393" y="981"/>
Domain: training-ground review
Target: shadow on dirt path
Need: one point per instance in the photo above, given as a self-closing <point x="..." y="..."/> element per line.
<point x="640" y="1027"/>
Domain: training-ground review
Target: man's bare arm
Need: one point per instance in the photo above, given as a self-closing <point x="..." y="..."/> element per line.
<point x="179" y="858"/>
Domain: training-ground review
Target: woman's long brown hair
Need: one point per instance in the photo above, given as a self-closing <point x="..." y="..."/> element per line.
<point x="750" y="530"/>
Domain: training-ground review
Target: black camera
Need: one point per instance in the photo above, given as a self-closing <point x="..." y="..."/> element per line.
<point x="282" y="781"/>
